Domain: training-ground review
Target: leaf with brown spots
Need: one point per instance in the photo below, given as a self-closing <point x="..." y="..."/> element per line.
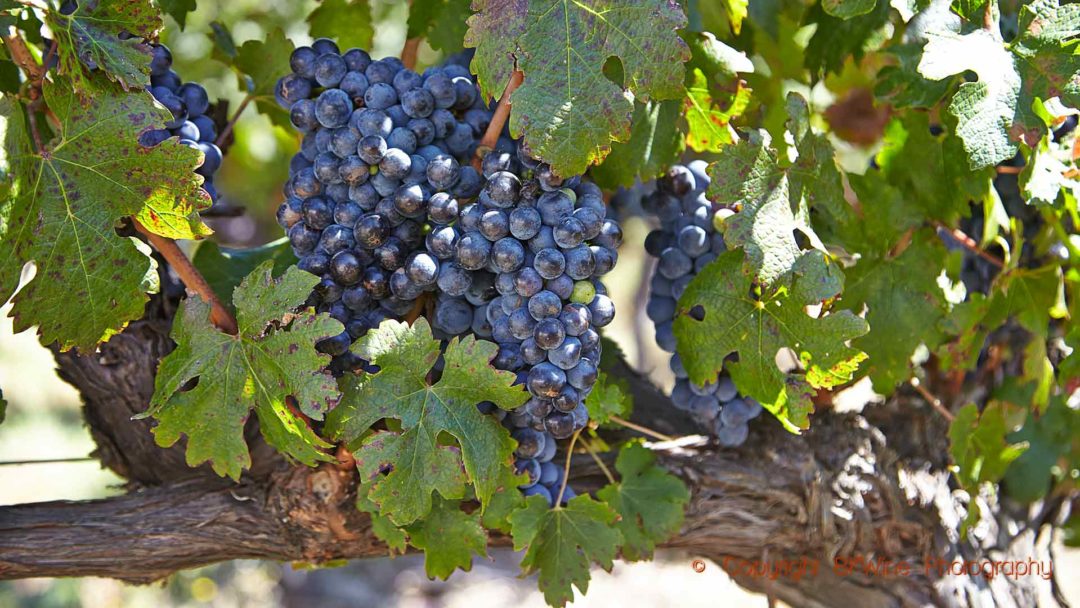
<point x="996" y="112"/>
<point x="90" y="37"/>
<point x="734" y="320"/>
<point x="68" y="199"/>
<point x="567" y="109"/>
<point x="417" y="462"/>
<point x="271" y="367"/>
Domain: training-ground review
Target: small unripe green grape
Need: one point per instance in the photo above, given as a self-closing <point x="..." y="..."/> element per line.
<point x="583" y="293"/>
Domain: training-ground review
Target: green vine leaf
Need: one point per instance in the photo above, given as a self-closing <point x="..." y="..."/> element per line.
<point x="420" y="462"/>
<point x="561" y="542"/>
<point x="66" y="204"/>
<point x="905" y="306"/>
<point x="1052" y="453"/>
<point x="978" y="445"/>
<point x="449" y="537"/>
<point x="846" y="9"/>
<point x="178" y="9"/>
<point x="224" y="268"/>
<point x="837" y="40"/>
<point x="654" y="144"/>
<point x="650" y="501"/>
<point x="348" y="22"/>
<point x="271" y="367"/>
<point x="608" y="399"/>
<point x="260" y="64"/>
<point x="1030" y="296"/>
<point x="774" y="200"/>
<point x="567" y="109"/>
<point x="757" y="328"/>
<point x="441" y="22"/>
<point x="995" y="113"/>
<point x="90" y="36"/>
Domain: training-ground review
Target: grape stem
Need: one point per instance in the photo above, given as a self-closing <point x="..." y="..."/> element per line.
<point x="408" y="53"/>
<point x="968" y="243"/>
<point x="599" y="462"/>
<point x="21" y="55"/>
<point x="930" y="398"/>
<point x="192" y="278"/>
<point x="566" y="468"/>
<point x="232" y="121"/>
<point x="641" y="429"/>
<point x="417" y="308"/>
<point x="498" y="119"/>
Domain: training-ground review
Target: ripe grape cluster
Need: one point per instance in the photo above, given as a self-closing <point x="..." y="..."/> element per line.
<point x="543" y="243"/>
<point x="379" y="142"/>
<point x="383" y="204"/>
<point x="188" y="103"/>
<point x="685" y="243"/>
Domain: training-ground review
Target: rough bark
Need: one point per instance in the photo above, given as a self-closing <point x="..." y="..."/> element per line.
<point x="872" y="487"/>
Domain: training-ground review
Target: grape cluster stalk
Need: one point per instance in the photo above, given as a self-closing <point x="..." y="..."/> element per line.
<point x="687" y="240"/>
<point x="383" y="205"/>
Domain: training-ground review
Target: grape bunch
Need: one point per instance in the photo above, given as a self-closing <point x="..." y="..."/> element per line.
<point x="685" y="243"/>
<point x="542" y="244"/>
<point x="380" y="141"/>
<point x="383" y="204"/>
<point x="188" y="103"/>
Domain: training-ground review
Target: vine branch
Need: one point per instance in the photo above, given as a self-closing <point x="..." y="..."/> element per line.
<point x="220" y="142"/>
<point x="498" y="119"/>
<point x="21" y="55"/>
<point x="409" y="52"/>
<point x="192" y="278"/>
<point x="968" y="243"/>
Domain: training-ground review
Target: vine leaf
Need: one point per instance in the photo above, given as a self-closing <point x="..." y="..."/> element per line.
<point x="1052" y="450"/>
<point x="260" y="64"/>
<point x="708" y="122"/>
<point x="837" y="40"/>
<point x="654" y="143"/>
<point x="773" y="200"/>
<point x="996" y="112"/>
<point x="90" y="36"/>
<point x="270" y="367"/>
<point x="448" y="537"/>
<point x="978" y="445"/>
<point x="1030" y="296"/>
<point x="179" y="9"/>
<point x="348" y="22"/>
<point x="441" y="22"/>
<point x="567" y="109"/>
<point x="419" y="462"/>
<point x="650" y="501"/>
<point x="224" y="268"/>
<point x="905" y="306"/>
<point x="846" y="9"/>
<point x="709" y="107"/>
<point x="66" y="203"/>
<point x="607" y="399"/>
<point x="758" y="328"/>
<point x="561" y="542"/>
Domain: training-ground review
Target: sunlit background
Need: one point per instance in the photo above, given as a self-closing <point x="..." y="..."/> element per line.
<point x="44" y="422"/>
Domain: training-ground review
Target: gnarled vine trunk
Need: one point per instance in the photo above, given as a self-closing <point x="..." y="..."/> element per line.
<point x="782" y="514"/>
